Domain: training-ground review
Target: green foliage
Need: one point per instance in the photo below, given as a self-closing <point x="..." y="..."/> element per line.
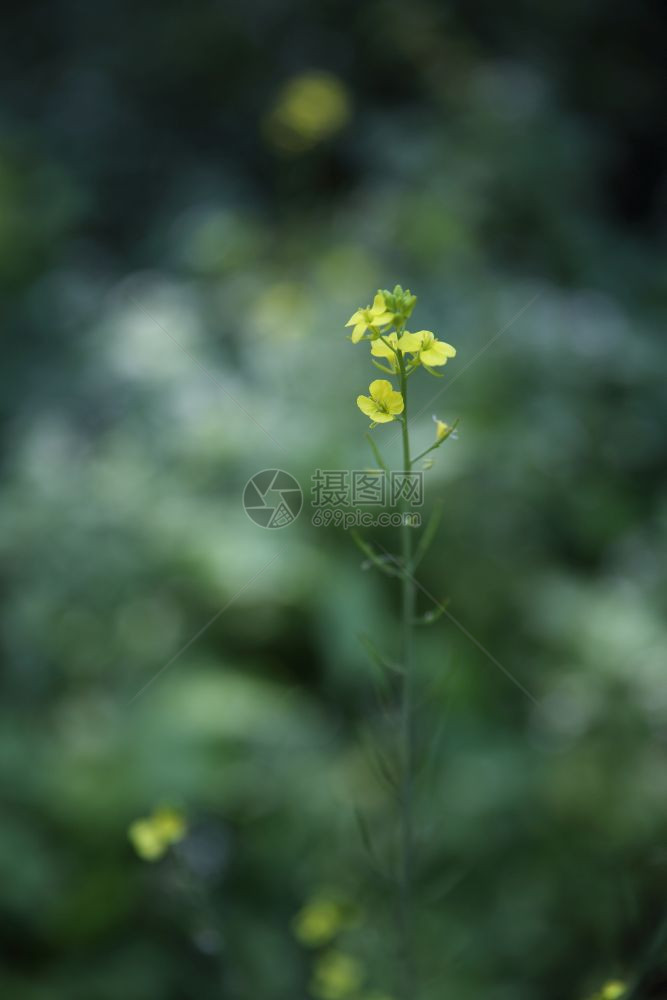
<point x="182" y="231"/>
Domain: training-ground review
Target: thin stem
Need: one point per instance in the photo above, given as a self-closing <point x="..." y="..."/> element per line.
<point x="426" y="451"/>
<point x="436" y="444"/>
<point x="406" y="737"/>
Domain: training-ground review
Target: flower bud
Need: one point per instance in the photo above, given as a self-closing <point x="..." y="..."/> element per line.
<point x="442" y="430"/>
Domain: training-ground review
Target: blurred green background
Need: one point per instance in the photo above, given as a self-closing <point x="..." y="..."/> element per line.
<point x="193" y="200"/>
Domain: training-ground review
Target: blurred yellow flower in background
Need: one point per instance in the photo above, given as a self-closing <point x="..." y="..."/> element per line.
<point x="613" y="989"/>
<point x="151" y="836"/>
<point x="319" y="921"/>
<point x="383" y="403"/>
<point x="311" y="107"/>
<point x="282" y="311"/>
<point x="336" y="976"/>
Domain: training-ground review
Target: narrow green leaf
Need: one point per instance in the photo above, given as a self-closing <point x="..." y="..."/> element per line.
<point x="377" y="656"/>
<point x="377" y="454"/>
<point x="382" y="367"/>
<point x="369" y="846"/>
<point x="379" y="561"/>
<point x="428" y="534"/>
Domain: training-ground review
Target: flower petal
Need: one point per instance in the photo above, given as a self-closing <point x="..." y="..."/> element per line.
<point x="381" y="349"/>
<point x="436" y="354"/>
<point x="410" y="342"/>
<point x="367" y="406"/>
<point x="395" y="403"/>
<point x="379" y="388"/>
<point x="383" y="319"/>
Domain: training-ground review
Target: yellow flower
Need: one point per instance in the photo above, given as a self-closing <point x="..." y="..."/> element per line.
<point x="336" y="976"/>
<point x="145" y="840"/>
<point x="318" y="922"/>
<point x="151" y="836"/>
<point x="383" y="403"/>
<point x="170" y="824"/>
<point x="371" y="318"/>
<point x="432" y="351"/>
<point x="310" y="108"/>
<point x="429" y="350"/>
<point x="387" y="345"/>
<point x="381" y="348"/>
<point x="613" y="990"/>
<point x="410" y="343"/>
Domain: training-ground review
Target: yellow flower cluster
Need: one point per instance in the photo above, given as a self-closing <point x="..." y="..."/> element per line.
<point x="153" y="835"/>
<point x="400" y="351"/>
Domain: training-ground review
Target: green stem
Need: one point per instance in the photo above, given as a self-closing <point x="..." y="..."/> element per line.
<point x="422" y="454"/>
<point x="436" y="444"/>
<point x="406" y="737"/>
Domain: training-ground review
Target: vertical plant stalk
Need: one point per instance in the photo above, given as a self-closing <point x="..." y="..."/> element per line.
<point x="409" y="986"/>
<point x="401" y="353"/>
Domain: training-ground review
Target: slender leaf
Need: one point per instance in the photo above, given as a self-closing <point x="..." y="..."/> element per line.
<point x="377" y="454"/>
<point x="377" y="656"/>
<point x="428" y="535"/>
<point x="376" y="560"/>
<point x="382" y="367"/>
